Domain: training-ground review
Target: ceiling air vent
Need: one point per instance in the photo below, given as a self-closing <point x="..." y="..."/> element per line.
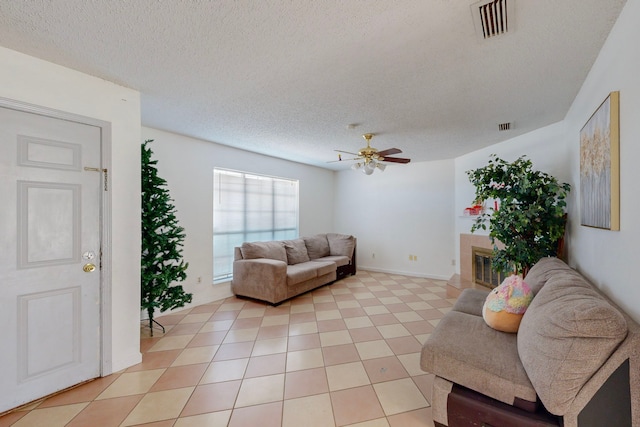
<point x="504" y="126"/>
<point x="492" y="17"/>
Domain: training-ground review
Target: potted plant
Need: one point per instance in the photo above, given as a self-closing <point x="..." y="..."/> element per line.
<point x="528" y="214"/>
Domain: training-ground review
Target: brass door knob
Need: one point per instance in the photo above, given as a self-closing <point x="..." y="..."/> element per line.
<point x="89" y="268"/>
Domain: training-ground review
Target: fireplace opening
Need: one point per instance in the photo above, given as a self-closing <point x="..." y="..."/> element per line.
<point x="481" y="270"/>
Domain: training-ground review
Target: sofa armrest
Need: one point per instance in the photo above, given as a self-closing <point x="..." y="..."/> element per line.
<point x="350" y="268"/>
<point x="613" y="392"/>
<point x="260" y="278"/>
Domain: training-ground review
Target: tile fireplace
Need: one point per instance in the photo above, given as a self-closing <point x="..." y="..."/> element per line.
<point x="466" y="278"/>
<point x="482" y="271"/>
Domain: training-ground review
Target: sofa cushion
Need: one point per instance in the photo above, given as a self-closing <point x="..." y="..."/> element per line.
<point x="301" y="272"/>
<point x="567" y="333"/>
<point x="324" y="267"/>
<point x="470" y="301"/>
<point x="296" y="251"/>
<point x="317" y="246"/>
<point x="270" y="250"/>
<point x="338" y="260"/>
<point x="464" y="350"/>
<point x="341" y="244"/>
<point x="544" y="269"/>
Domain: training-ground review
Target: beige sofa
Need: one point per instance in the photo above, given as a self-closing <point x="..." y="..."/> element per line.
<point x="278" y="270"/>
<point x="573" y="362"/>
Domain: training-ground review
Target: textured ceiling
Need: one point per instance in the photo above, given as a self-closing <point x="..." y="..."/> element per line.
<point x="286" y="78"/>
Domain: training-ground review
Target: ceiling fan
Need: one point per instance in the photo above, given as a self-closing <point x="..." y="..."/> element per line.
<point x="369" y="158"/>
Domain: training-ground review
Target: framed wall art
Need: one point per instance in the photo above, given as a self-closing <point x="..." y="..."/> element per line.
<point x="600" y="166"/>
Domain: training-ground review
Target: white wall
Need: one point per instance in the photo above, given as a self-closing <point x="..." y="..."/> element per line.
<point x="607" y="258"/>
<point x="27" y="79"/>
<point x="187" y="165"/>
<point x="405" y="210"/>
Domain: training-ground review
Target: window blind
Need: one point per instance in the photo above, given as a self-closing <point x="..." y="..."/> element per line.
<point x="249" y="208"/>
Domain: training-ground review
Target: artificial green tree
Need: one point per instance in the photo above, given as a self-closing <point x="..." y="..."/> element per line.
<point x="162" y="241"/>
<point x="530" y="220"/>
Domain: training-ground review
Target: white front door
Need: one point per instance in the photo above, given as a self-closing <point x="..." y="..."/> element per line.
<point x="49" y="229"/>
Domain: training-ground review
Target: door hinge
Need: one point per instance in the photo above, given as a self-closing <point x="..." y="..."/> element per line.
<point x="106" y="175"/>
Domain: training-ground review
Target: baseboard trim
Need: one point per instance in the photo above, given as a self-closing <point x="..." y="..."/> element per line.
<point x="403" y="273"/>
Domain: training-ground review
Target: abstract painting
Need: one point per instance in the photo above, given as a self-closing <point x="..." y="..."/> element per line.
<point x="600" y="166"/>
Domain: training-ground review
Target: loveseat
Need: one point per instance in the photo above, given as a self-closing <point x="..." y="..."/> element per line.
<point x="275" y="271"/>
<point x="574" y="360"/>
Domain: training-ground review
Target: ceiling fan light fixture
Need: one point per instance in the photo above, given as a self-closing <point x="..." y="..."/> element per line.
<point x="369" y="168"/>
<point x="356" y="166"/>
<point x="381" y="166"/>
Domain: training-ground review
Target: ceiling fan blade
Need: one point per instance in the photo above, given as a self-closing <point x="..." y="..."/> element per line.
<point x="344" y="160"/>
<point x="347" y="152"/>
<point x="389" y="152"/>
<point x="395" y="160"/>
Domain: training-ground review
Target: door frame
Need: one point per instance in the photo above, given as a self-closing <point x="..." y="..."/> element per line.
<point x="106" y="314"/>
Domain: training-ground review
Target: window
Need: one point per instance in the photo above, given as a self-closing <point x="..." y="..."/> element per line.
<point x="249" y="208"/>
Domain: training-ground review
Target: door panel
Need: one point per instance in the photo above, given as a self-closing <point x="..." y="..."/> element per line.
<point x="50" y="228"/>
<point x="45" y="153"/>
<point x="48" y="224"/>
<point x="37" y="334"/>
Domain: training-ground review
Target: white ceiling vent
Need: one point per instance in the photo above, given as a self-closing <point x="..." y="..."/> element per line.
<point x="504" y="126"/>
<point x="493" y="17"/>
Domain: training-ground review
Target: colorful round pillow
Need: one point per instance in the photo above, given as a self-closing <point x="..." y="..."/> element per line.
<point x="505" y="305"/>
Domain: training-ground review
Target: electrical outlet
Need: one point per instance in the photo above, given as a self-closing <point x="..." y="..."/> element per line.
<point x="410" y="257"/>
<point x="373" y="255"/>
<point x="453" y="262"/>
<point x="415" y="257"/>
<point x="199" y="279"/>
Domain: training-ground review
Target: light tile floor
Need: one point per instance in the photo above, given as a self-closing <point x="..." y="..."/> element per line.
<point x="346" y="354"/>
